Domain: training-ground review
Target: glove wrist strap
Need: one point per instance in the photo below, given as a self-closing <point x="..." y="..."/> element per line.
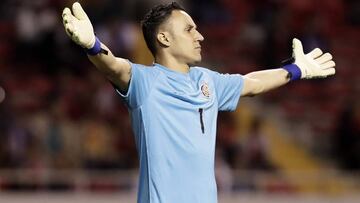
<point x="96" y="49"/>
<point x="294" y="71"/>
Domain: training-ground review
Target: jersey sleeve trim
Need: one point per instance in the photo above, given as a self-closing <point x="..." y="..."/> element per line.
<point x="236" y="101"/>
<point x="124" y="94"/>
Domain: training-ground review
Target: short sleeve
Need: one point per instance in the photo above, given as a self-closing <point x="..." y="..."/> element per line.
<point x="228" y="89"/>
<point x="141" y="82"/>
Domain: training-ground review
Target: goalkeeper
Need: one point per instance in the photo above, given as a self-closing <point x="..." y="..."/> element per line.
<point x="174" y="105"/>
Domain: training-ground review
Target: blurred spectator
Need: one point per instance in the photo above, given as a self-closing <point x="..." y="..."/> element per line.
<point x="98" y="148"/>
<point x="347" y="137"/>
<point x="19" y="143"/>
<point x="223" y="173"/>
<point x="352" y="12"/>
<point x="255" y="148"/>
<point x="35" y="25"/>
<point x="228" y="144"/>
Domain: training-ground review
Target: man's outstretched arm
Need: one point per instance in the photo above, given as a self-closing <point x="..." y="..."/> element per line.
<point x="262" y="81"/>
<point x="79" y="28"/>
<point x="312" y="65"/>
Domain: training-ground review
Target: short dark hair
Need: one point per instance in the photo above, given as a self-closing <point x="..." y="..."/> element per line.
<point x="153" y="19"/>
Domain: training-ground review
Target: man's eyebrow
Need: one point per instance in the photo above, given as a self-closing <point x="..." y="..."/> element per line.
<point x="189" y="26"/>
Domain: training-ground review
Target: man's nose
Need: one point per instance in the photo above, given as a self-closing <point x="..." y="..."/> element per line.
<point x="199" y="36"/>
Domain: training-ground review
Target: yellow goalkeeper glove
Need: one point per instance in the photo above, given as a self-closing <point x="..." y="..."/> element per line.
<point x="79" y="28"/>
<point x="312" y="65"/>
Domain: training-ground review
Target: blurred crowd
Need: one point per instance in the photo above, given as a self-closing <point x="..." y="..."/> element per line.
<point x="57" y="111"/>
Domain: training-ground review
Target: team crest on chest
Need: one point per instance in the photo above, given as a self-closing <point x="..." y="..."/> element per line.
<point x="205" y="90"/>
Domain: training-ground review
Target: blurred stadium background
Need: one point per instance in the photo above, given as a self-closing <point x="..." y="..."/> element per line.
<point x="65" y="136"/>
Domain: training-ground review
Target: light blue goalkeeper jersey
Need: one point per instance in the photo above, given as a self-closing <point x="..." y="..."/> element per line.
<point x="174" y="119"/>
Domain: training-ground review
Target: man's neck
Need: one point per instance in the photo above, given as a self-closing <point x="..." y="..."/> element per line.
<point x="173" y="64"/>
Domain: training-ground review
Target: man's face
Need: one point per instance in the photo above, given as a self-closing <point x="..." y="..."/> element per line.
<point x="184" y="39"/>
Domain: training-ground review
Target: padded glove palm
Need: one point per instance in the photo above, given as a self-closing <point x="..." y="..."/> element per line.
<point x="78" y="26"/>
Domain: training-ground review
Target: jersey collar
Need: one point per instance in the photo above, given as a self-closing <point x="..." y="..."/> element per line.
<point x="172" y="73"/>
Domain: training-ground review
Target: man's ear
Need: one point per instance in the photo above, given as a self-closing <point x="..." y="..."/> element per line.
<point x="163" y="39"/>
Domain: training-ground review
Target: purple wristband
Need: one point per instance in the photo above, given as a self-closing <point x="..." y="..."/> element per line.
<point x="95" y="49"/>
<point x="294" y="71"/>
